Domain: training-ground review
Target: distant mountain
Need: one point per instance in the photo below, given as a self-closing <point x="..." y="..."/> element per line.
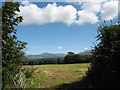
<point x="46" y="55"/>
<point x="86" y="52"/>
<point x="52" y="55"/>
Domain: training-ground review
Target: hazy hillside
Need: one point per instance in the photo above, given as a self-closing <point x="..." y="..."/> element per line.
<point x="87" y="52"/>
<point x="52" y="55"/>
<point x="46" y="55"/>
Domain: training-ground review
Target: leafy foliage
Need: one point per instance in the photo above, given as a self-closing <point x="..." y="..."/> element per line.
<point x="12" y="55"/>
<point x="68" y="59"/>
<point x="105" y="68"/>
<point x="43" y="61"/>
<point x="76" y="58"/>
<point x="29" y="71"/>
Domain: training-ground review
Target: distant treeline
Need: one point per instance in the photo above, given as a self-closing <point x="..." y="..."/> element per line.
<point x="71" y="58"/>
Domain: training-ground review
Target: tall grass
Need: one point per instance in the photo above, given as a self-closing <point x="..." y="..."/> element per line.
<point x="49" y="76"/>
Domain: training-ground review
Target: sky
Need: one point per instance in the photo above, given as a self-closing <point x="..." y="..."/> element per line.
<point x="59" y="27"/>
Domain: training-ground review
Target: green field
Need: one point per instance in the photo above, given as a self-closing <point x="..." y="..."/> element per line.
<point x="50" y="76"/>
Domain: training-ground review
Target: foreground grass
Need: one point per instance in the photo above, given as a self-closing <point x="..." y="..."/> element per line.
<point x="50" y="76"/>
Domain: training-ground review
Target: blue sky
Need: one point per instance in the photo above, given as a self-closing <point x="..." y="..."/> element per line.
<point x="66" y="30"/>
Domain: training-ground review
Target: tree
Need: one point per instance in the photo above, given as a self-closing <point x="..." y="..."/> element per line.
<point x="60" y="60"/>
<point x="76" y="58"/>
<point x="71" y="53"/>
<point x="69" y="58"/>
<point x="105" y="68"/>
<point x="12" y="55"/>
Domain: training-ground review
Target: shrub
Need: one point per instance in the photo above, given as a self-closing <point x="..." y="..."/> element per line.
<point x="105" y="69"/>
<point x="29" y="71"/>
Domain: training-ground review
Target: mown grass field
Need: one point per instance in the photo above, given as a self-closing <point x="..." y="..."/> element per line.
<point x="50" y="76"/>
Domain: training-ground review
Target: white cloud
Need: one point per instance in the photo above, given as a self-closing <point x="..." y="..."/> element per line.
<point x="59" y="47"/>
<point x="85" y="48"/>
<point x="91" y="6"/>
<point x="109" y="10"/>
<point x="33" y="14"/>
<point x="88" y="13"/>
<point x="69" y="1"/>
<point x="86" y="17"/>
<point x="26" y="2"/>
<point x="27" y="53"/>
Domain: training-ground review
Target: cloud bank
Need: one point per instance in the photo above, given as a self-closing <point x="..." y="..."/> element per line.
<point x="109" y="10"/>
<point x="32" y="14"/>
<point x="59" y="47"/>
<point x="68" y="14"/>
<point x="88" y="13"/>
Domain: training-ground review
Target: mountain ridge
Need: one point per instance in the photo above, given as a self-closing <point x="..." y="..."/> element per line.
<point x="46" y="55"/>
<point x="54" y="55"/>
<point x="86" y="52"/>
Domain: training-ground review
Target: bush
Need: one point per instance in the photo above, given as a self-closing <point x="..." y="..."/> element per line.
<point x="12" y="55"/>
<point x="29" y="71"/>
<point x="105" y="69"/>
<point x="76" y="58"/>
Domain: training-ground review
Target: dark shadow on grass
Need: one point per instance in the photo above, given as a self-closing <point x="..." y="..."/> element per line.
<point x="83" y="83"/>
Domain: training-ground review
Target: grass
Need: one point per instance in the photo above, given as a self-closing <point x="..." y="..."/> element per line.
<point x="50" y="76"/>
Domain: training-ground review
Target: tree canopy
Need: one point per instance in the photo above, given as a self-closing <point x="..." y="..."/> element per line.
<point x="71" y="57"/>
<point x="105" y="68"/>
<point x="12" y="55"/>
